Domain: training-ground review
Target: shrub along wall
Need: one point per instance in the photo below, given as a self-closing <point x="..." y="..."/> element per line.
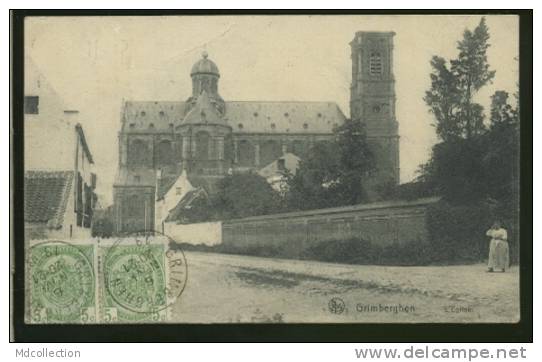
<point x="457" y="233"/>
<point x="419" y="232"/>
<point x="335" y="234"/>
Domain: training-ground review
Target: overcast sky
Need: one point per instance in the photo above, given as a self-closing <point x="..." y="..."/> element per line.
<point x="95" y="62"/>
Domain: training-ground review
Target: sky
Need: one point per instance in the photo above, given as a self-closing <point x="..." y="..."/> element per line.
<point x="94" y="63"/>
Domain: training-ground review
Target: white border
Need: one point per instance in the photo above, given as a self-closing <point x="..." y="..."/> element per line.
<point x="237" y="352"/>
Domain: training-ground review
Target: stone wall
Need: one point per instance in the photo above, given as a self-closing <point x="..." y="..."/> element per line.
<point x="381" y="223"/>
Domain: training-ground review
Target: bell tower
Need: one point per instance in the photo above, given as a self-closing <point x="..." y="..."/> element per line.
<point x="205" y="76"/>
<point x="372" y="99"/>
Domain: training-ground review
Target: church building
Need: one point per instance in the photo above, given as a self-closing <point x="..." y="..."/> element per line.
<point x="209" y="137"/>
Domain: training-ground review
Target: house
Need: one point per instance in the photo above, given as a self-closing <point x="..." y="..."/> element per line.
<point x="59" y="179"/>
<point x="175" y="197"/>
<point x="275" y="173"/>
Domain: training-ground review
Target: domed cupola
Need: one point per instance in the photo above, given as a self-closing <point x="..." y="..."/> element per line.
<point x="205" y="77"/>
<point x="205" y="66"/>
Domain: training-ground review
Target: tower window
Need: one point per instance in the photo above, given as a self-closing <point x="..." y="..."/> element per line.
<point x="319" y="115"/>
<point x="286" y="114"/>
<point x="162" y="113"/>
<point x="305" y="125"/>
<point x="240" y="125"/>
<point x="31" y="104"/>
<point x="255" y="114"/>
<point x="273" y="126"/>
<point x="375" y="64"/>
<point x="376" y="108"/>
<point x="151" y="125"/>
<point x="142" y="113"/>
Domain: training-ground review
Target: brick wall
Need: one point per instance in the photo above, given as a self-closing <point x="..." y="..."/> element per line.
<point x="381" y="223"/>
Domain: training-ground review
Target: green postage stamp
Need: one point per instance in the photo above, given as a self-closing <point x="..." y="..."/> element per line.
<point x="126" y="280"/>
<point x="61" y="283"/>
<point x="132" y="282"/>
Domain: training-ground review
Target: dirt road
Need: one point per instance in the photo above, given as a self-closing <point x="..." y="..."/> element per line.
<point x="231" y="288"/>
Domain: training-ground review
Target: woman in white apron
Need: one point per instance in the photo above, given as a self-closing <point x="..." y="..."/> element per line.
<point x="498" y="248"/>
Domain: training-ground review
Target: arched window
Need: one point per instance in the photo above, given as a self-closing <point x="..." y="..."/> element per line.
<point x="228" y="148"/>
<point x="164" y="153"/>
<point x="203" y="140"/>
<point x="375" y="63"/>
<point x="246" y="153"/>
<point x="270" y="151"/>
<point x="138" y="153"/>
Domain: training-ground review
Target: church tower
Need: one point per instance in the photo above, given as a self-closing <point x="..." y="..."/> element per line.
<point x="372" y="100"/>
<point x="205" y="77"/>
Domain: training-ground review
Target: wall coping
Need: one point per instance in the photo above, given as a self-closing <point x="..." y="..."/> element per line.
<point x="336" y="210"/>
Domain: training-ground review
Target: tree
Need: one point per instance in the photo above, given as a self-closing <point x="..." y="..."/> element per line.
<point x="502" y="149"/>
<point x="503" y="113"/>
<point x="244" y="195"/>
<point x="457" y="168"/>
<point x="454" y="85"/>
<point x="333" y="173"/>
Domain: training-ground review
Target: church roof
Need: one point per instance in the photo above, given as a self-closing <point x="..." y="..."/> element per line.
<point x="203" y="112"/>
<point x="46" y="196"/>
<point x="283" y="117"/>
<point x="149" y="116"/>
<point x="242" y="116"/>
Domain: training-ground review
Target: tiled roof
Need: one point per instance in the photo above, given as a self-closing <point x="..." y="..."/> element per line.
<point x="291" y="162"/>
<point x="283" y="117"/>
<point x="152" y="116"/>
<point x="185" y="203"/>
<point x="164" y="184"/>
<point x="203" y="112"/>
<point x="46" y="196"/>
<point x="243" y="117"/>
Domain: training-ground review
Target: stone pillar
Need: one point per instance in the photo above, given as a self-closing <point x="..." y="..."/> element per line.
<point x="123" y="145"/>
<point x="257" y="153"/>
<point x="235" y="151"/>
<point x="220" y="147"/>
<point x="186" y="147"/>
<point x="193" y="147"/>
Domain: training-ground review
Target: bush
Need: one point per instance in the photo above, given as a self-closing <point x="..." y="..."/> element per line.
<point x="358" y="251"/>
<point x="457" y="233"/>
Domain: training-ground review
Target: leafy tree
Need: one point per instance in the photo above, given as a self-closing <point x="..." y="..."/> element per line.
<point x="454" y="85"/>
<point x="314" y="184"/>
<point x="244" y="195"/>
<point x="502" y="112"/>
<point x="333" y="173"/>
<point x="501" y="159"/>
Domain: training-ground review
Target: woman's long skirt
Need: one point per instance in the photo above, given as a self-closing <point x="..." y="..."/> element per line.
<point x="498" y="255"/>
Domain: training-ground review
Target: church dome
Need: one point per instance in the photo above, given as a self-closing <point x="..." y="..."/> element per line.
<point x="205" y="66"/>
